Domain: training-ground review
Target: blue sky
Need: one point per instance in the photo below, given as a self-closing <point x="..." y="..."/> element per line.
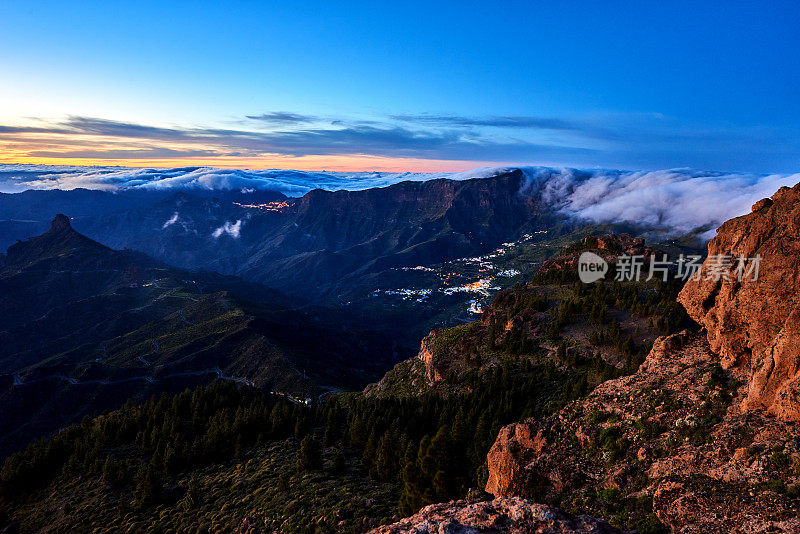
<point x="415" y="86"/>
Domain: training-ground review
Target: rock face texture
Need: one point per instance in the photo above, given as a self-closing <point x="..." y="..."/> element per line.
<point x="499" y="515"/>
<point x="674" y="433"/>
<point x="755" y="324"/>
<point x="687" y="504"/>
<point x="435" y="367"/>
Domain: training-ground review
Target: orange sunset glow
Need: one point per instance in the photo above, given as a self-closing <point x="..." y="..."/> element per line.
<point x="356" y="163"/>
<point x="49" y="148"/>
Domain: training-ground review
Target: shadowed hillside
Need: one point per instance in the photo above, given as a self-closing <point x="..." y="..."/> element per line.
<point x="89" y="327"/>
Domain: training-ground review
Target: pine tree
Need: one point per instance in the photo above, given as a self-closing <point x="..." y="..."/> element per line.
<point x="310" y="456"/>
<point x="283" y="481"/>
<point x="148" y="486"/>
<point x="383" y="463"/>
<point x="358" y="430"/>
<point x="411" y="497"/>
<point x="194" y="494"/>
<point x="239" y="450"/>
<point x="447" y="458"/>
<point x="332" y="432"/>
<point x="368" y="457"/>
<point x="300" y="429"/>
<point x="109" y="471"/>
<point x="339" y="463"/>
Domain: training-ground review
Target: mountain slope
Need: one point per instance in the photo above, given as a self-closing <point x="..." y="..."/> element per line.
<point x="351" y="250"/>
<point x="325" y="242"/>
<point x="61" y="266"/>
<point x="87" y="327"/>
<point x="601" y="330"/>
<point x="421" y="444"/>
<point x="673" y="446"/>
<point x="704" y="436"/>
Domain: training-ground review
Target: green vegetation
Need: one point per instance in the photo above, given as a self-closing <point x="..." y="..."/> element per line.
<point x="613" y="443"/>
<point x="159" y="456"/>
<point x="310" y="456"/>
<point x="197" y="460"/>
<point x="435" y="446"/>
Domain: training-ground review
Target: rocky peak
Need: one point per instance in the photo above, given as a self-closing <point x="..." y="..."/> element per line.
<point x="62" y="244"/>
<point x="754" y="323"/>
<point x="60" y="223"/>
<point x="693" y="428"/>
<point x="688" y="441"/>
<point x="434" y="369"/>
<point x="670" y="434"/>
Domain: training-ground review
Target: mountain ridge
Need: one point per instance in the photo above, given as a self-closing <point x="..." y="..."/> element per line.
<point x="82" y="318"/>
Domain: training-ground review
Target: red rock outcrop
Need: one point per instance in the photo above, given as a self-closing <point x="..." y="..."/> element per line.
<point x="542" y="458"/>
<point x="678" y="416"/>
<point x="754" y="324"/>
<point x="609" y="247"/>
<point x="435" y="366"/>
<point x="687" y="505"/>
<point x="499" y="515"/>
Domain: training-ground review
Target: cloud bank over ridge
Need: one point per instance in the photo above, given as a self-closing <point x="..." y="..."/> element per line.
<point x="680" y="199"/>
<point x="15" y="178"/>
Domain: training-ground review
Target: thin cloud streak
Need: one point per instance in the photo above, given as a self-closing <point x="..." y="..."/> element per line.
<point x="282" y="117"/>
<point x="512" y="121"/>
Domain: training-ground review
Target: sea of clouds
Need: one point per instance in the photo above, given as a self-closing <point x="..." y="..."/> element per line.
<point x="682" y="200"/>
<point x="15" y="178"/>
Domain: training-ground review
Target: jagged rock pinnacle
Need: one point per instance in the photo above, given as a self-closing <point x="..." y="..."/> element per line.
<point x="61" y="222"/>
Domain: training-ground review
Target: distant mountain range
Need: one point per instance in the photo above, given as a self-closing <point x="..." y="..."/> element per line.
<point x="88" y="325"/>
<point x="313" y="246"/>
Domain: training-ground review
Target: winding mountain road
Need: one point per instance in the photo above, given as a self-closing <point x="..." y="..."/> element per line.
<point x="184" y="319"/>
<point x="155" y="349"/>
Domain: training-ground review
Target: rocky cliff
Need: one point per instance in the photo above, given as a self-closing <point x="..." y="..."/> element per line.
<point x="672" y="437"/>
<point x="547" y="320"/>
<point x="754" y="324"/>
<point x="609" y="247"/>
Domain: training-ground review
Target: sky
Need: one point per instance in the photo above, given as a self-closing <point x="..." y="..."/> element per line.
<point x="412" y="86"/>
